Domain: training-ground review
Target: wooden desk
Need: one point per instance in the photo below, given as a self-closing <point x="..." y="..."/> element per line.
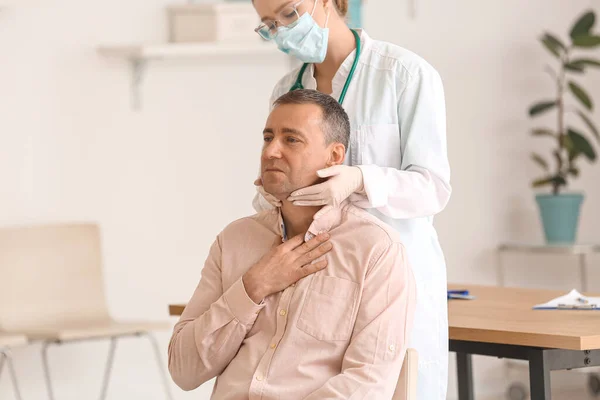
<point x="501" y="323"/>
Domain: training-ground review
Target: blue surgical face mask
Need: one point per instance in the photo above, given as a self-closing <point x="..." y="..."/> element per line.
<point x="304" y="39"/>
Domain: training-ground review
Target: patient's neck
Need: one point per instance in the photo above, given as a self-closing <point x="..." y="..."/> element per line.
<point x="297" y="219"/>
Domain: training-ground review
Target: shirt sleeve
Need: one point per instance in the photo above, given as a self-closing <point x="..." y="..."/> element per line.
<point x="421" y="186"/>
<point x="211" y="328"/>
<point x="373" y="359"/>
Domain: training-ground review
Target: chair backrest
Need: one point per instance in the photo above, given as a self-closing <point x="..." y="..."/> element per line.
<point x="10" y="340"/>
<point x="406" y="389"/>
<point x="50" y="275"/>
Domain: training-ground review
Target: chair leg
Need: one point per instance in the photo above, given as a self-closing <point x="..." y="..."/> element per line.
<point x="11" y="370"/>
<point x="160" y="365"/>
<point x="108" y="367"/>
<point x="46" y="368"/>
<point x="2" y="358"/>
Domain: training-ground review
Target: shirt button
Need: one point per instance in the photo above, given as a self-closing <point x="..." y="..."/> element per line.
<point x="273" y="345"/>
<point x="282" y="313"/>
<point x="392" y="347"/>
<point x="259" y="377"/>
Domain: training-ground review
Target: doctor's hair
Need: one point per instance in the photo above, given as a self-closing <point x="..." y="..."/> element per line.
<point x="336" y="124"/>
<point x="341" y="7"/>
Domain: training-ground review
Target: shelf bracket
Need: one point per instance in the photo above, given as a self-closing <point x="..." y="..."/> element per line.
<point x="413" y="8"/>
<point x="138" y="70"/>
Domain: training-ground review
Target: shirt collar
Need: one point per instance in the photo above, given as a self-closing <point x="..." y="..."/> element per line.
<point x="339" y="79"/>
<point x="324" y="224"/>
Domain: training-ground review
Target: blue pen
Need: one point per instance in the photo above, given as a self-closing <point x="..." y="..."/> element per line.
<point x="459" y="292"/>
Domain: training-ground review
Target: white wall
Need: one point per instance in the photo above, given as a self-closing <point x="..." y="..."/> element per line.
<point x="163" y="181"/>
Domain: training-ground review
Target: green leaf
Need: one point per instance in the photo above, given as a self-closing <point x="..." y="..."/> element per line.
<point x="553" y="180"/>
<point x="581" y="95"/>
<point x="574" y="67"/>
<point x="554" y="45"/>
<point x="581" y="145"/>
<point x="586" y="41"/>
<point x="541" y="107"/>
<point x="542" y="182"/>
<point x="540" y="161"/>
<point x="556" y="42"/>
<point x="542" y="132"/>
<point x="559" y="180"/>
<point x="574" y="171"/>
<point x="590" y="125"/>
<point x="573" y="154"/>
<point x="567" y="143"/>
<point x="584" y="62"/>
<point x="583" y="25"/>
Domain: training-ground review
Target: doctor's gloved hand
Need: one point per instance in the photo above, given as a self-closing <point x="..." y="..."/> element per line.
<point x="272" y="200"/>
<point x="343" y="181"/>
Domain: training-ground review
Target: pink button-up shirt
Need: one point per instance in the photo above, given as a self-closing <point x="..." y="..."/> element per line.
<point x="338" y="334"/>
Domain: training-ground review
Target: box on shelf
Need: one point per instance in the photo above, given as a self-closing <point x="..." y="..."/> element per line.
<point x="213" y="22"/>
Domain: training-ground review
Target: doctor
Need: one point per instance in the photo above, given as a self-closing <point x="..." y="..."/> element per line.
<point x="397" y="164"/>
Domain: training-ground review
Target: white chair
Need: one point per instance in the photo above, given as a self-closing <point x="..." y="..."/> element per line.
<point x="53" y="291"/>
<point x="6" y="342"/>
<point x="406" y="389"/>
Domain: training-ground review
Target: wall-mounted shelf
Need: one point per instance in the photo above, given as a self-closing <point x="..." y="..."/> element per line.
<point x="140" y="55"/>
<point x="181" y="50"/>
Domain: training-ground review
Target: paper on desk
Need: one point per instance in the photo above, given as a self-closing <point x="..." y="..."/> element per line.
<point x="571" y="299"/>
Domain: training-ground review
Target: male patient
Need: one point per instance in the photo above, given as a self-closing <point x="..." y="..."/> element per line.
<point x="290" y="308"/>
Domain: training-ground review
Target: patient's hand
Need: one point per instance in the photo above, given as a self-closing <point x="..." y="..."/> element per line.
<point x="285" y="264"/>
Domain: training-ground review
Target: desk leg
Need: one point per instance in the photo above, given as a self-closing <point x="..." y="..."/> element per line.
<point x="539" y="375"/>
<point x="465" y="376"/>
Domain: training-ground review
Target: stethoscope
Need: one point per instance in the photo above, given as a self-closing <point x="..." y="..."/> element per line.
<point x="298" y="84"/>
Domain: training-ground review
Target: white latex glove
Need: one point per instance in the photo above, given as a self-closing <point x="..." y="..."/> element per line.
<point x="272" y="200"/>
<point x="343" y="181"/>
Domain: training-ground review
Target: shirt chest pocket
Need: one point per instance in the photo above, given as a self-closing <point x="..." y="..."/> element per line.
<point x="328" y="309"/>
<point x="379" y="144"/>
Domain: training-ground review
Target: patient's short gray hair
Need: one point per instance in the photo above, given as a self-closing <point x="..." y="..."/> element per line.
<point x="336" y="124"/>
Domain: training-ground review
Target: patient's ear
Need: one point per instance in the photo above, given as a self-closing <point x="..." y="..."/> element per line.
<point x="337" y="154"/>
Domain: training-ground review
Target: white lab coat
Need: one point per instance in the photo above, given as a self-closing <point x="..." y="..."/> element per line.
<point x="398" y="138"/>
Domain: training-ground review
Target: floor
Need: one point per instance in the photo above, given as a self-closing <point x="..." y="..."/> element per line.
<point x="570" y="395"/>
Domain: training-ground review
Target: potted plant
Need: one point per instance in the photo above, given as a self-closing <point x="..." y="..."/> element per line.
<point x="559" y="211"/>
